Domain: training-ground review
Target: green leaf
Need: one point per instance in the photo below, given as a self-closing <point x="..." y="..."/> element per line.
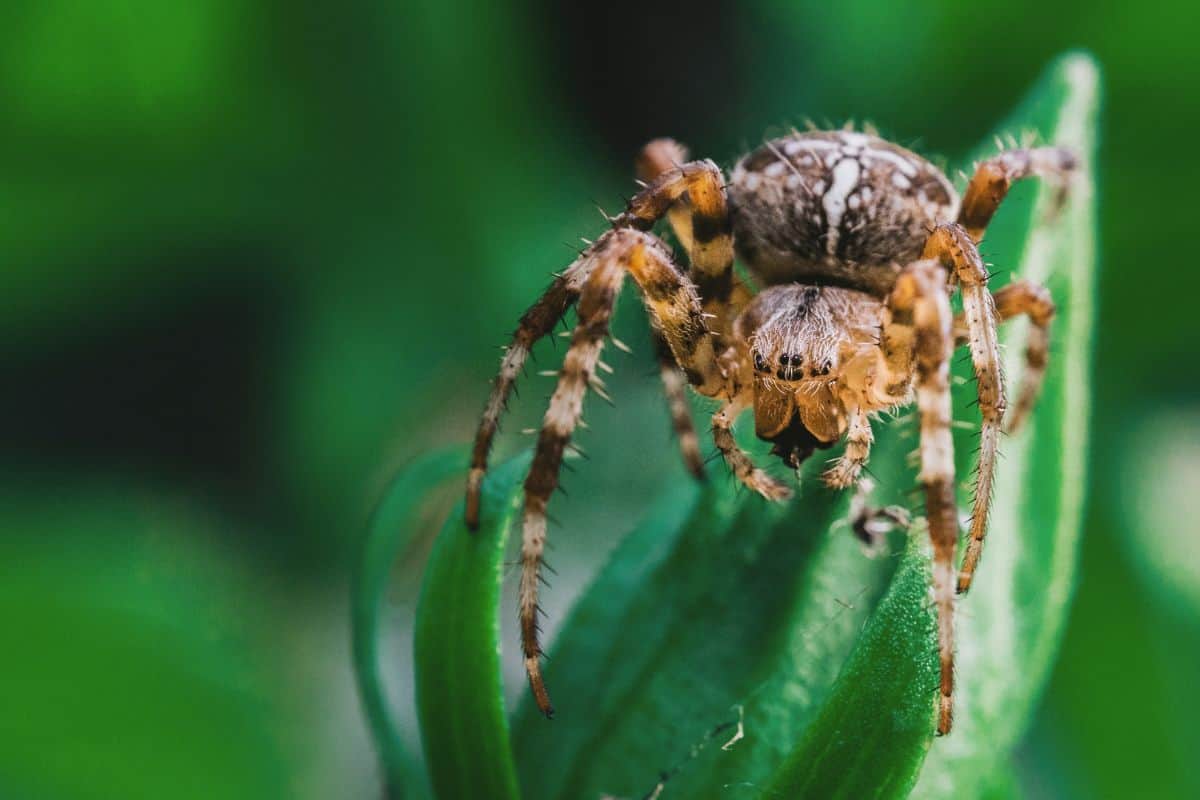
<point x="460" y="700"/>
<point x="1156" y="497"/>
<point x="850" y="750"/>
<point x="389" y="530"/>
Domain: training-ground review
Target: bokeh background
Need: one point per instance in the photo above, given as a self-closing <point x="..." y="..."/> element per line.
<point x="255" y="255"/>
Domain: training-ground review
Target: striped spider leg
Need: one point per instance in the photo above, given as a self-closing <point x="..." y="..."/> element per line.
<point x="699" y="186"/>
<point x="678" y="317"/>
<point x="675" y="306"/>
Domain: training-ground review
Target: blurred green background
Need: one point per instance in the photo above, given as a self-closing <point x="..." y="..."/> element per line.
<point x="255" y="255"/>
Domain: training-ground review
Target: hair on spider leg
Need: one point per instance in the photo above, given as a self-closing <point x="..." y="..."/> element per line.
<point x="602" y="394"/>
<point x="617" y="343"/>
<point x="873" y="476"/>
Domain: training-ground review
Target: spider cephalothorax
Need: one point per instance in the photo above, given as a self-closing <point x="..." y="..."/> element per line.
<point x="857" y="243"/>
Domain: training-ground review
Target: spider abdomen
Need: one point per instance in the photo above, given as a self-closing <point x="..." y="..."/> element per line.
<point x="841" y="208"/>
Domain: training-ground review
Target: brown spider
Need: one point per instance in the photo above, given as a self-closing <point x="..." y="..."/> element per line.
<point x="858" y="244"/>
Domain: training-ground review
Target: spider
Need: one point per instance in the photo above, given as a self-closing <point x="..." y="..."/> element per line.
<point x="858" y="244"/>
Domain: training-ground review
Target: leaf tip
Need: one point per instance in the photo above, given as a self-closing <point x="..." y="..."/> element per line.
<point x="1081" y="68"/>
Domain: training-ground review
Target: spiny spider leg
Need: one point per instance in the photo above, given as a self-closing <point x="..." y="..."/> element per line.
<point x="1034" y="301"/>
<point x="995" y="176"/>
<point x="954" y="248"/>
<point x="707" y="235"/>
<point x="675" y="389"/>
<point x="673" y="303"/>
<point x="986" y="191"/>
<point x="710" y="250"/>
<point x="721" y="293"/>
<point x="739" y="463"/>
<point x="566" y="404"/>
<point x="657" y="157"/>
<point x="538" y="321"/>
<point x="920" y="304"/>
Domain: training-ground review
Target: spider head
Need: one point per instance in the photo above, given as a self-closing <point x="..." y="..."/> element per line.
<point x="782" y="355"/>
<point x="795" y="337"/>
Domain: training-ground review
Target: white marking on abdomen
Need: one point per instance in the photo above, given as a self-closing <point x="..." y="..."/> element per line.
<point x="853" y="141"/>
<point x="794" y="146"/>
<point x="845" y="178"/>
<point x="900" y="162"/>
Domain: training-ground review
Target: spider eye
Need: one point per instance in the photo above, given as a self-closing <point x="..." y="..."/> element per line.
<point x="828" y="365"/>
<point x="759" y="363"/>
<point x="796" y="360"/>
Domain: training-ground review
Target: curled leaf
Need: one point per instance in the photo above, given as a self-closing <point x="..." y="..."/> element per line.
<point x="460" y="698"/>
<point x="389" y="530"/>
